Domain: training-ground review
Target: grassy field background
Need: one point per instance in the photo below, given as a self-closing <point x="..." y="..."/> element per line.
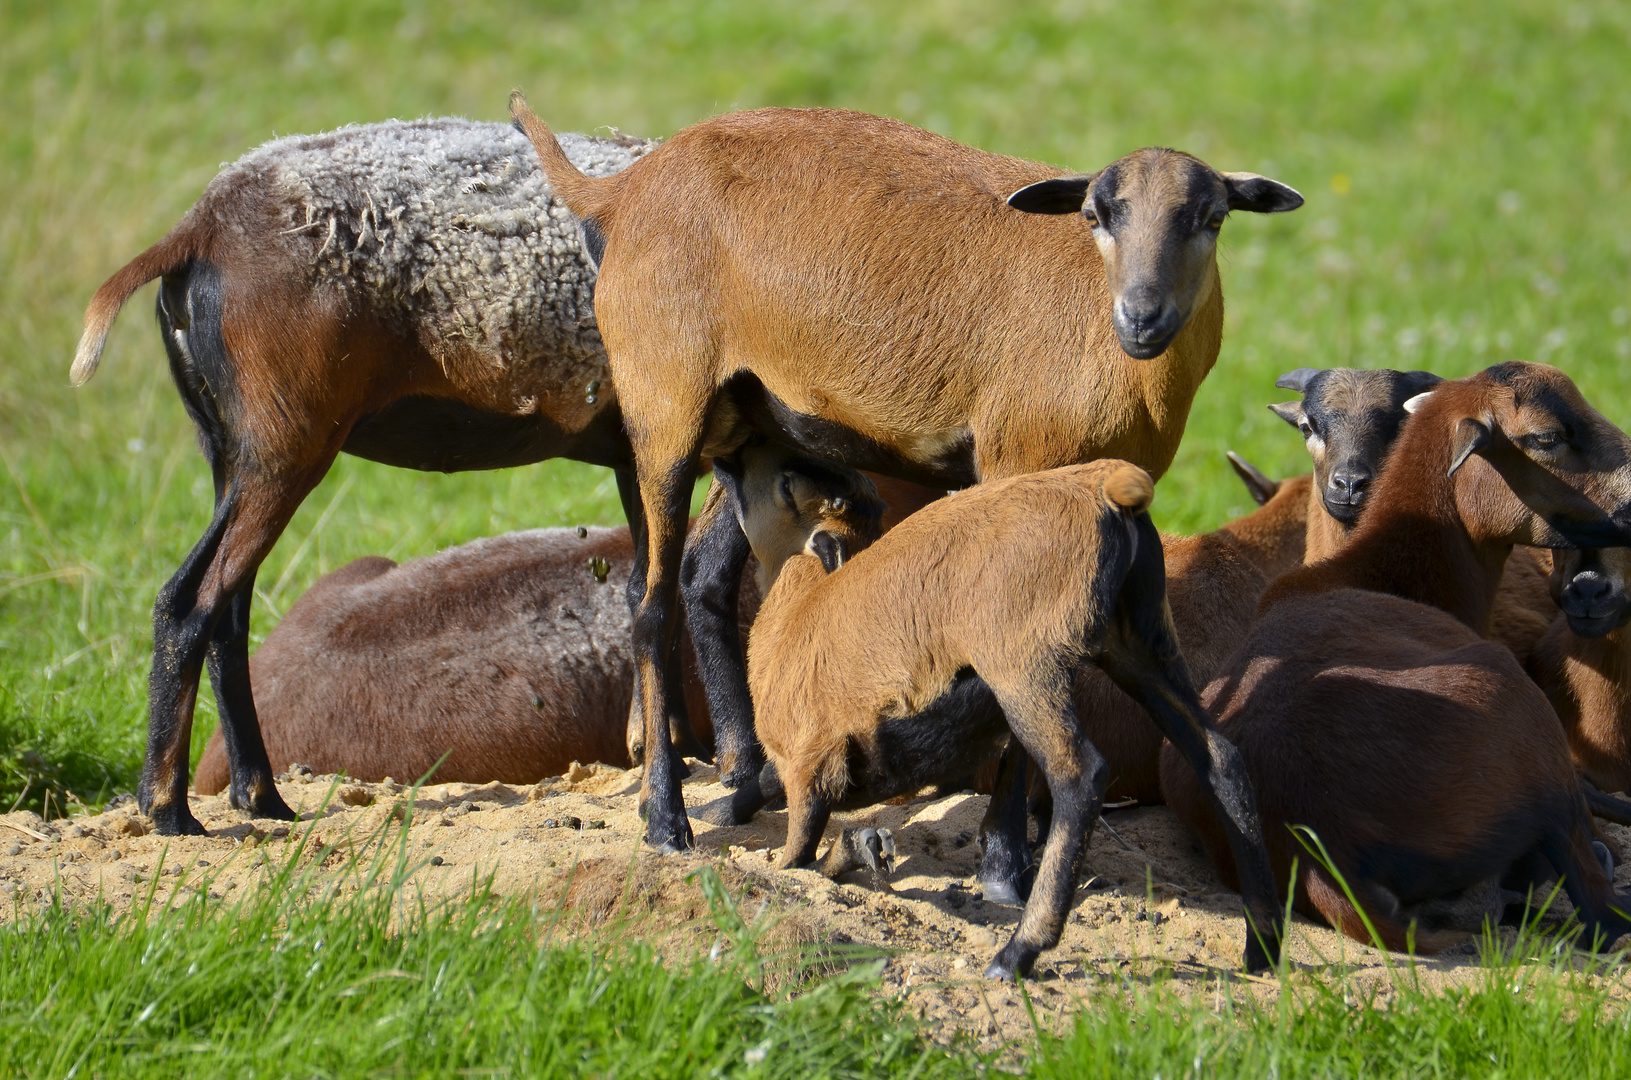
<point x="1465" y="164"/>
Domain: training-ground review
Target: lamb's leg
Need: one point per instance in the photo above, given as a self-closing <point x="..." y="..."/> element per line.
<point x="1044" y="723"/>
<point x="1140" y="653"/>
<point x="807" y="814"/>
<point x="1004" y="831"/>
<point x="716" y="553"/>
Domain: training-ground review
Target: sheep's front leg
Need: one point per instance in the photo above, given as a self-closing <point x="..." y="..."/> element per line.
<point x="1005" y="831"/>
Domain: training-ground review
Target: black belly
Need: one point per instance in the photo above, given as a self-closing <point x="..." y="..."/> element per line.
<point x="444" y="435"/>
<point x="768" y="415"/>
<point x="945" y="742"/>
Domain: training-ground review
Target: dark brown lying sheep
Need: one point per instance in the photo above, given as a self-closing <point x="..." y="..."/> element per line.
<point x="1367" y="706"/>
<point x="510" y="655"/>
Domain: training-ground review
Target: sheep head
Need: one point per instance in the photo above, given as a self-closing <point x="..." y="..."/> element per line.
<point x="1155" y="216"/>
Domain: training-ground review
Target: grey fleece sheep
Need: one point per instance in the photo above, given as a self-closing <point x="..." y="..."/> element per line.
<point x="408" y="292"/>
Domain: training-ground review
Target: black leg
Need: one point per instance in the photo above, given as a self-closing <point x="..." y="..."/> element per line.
<point x="252" y="787"/>
<point x="1141" y="655"/>
<point x="181" y="637"/>
<point x="1004" y="832"/>
<point x="716" y="553"/>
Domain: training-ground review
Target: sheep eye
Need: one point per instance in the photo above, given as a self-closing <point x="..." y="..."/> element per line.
<point x="1545" y="440"/>
<point x="1304" y="427"/>
<point x="1216" y="222"/>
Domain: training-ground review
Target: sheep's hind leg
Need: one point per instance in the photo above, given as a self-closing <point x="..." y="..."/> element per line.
<point x="252" y="787"/>
<point x="716" y="553"/>
<point x="1140" y="654"/>
<point x="186" y="617"/>
<point x="1045" y="724"/>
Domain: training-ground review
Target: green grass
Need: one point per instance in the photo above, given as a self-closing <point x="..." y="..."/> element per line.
<point x="352" y="973"/>
<point x="1466" y="167"/>
<point x="355" y="976"/>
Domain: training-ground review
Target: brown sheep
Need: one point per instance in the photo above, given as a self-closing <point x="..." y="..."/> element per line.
<point x="1369" y="708"/>
<point x="406" y="292"/>
<point x="882" y="296"/>
<point x="1583" y="663"/>
<point x="511" y="655"/>
<point x="918" y="657"/>
<point x="1349" y="419"/>
<point x="1213" y="582"/>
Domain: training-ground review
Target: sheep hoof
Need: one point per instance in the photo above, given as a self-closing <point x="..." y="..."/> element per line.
<point x="1604" y="858"/>
<point x="873" y="849"/>
<point x="1001" y="892"/>
<point x="1013" y="962"/>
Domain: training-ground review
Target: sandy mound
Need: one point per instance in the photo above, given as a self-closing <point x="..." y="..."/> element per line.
<point x="1149" y="908"/>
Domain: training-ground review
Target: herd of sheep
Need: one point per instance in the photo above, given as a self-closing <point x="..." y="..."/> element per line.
<point x="1397" y="688"/>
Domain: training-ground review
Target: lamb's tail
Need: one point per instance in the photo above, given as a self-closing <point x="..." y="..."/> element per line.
<point x="586" y="196"/>
<point x="170" y="253"/>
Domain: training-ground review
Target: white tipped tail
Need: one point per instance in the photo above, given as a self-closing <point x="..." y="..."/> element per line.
<point x="167" y="255"/>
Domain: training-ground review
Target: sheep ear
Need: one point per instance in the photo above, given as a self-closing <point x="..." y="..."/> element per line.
<point x="1419" y="382"/>
<point x="1259" y="194"/>
<point x="1413" y="403"/>
<point x="832" y="551"/>
<point x="1470" y="437"/>
<point x="1262" y="488"/>
<point x="1061" y="195"/>
<point x="728" y="475"/>
<point x="1297" y="379"/>
<point x="1289" y="411"/>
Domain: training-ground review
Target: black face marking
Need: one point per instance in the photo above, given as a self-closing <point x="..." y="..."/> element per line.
<point x="829" y="549"/>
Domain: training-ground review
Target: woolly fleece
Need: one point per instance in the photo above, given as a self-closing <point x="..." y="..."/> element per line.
<point x="444" y="227"/>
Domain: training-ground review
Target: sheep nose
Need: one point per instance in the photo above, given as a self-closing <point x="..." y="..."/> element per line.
<point x="1145" y="323"/>
<point x="1350" y="485"/>
<point x="1590" y="587"/>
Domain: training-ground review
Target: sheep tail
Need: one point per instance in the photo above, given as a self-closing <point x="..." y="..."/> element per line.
<point x="587" y="197"/>
<point x="1129" y="488"/>
<point x="170" y="253"/>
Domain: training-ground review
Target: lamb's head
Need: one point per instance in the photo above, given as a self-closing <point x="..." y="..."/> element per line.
<point x="1155" y="216"/>
<point x="1589" y="585"/>
<point x="789" y="503"/>
<point x="1349" y="419"/>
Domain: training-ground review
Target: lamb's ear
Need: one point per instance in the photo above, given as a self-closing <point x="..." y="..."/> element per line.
<point x="728" y="474"/>
<point x="1470" y="437"/>
<point x="1418" y="382"/>
<point x="1061" y="195"/>
<point x="1259" y="194"/>
<point x="1297" y="379"/>
<point x="829" y="549"/>
<point x="1289" y="411"/>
